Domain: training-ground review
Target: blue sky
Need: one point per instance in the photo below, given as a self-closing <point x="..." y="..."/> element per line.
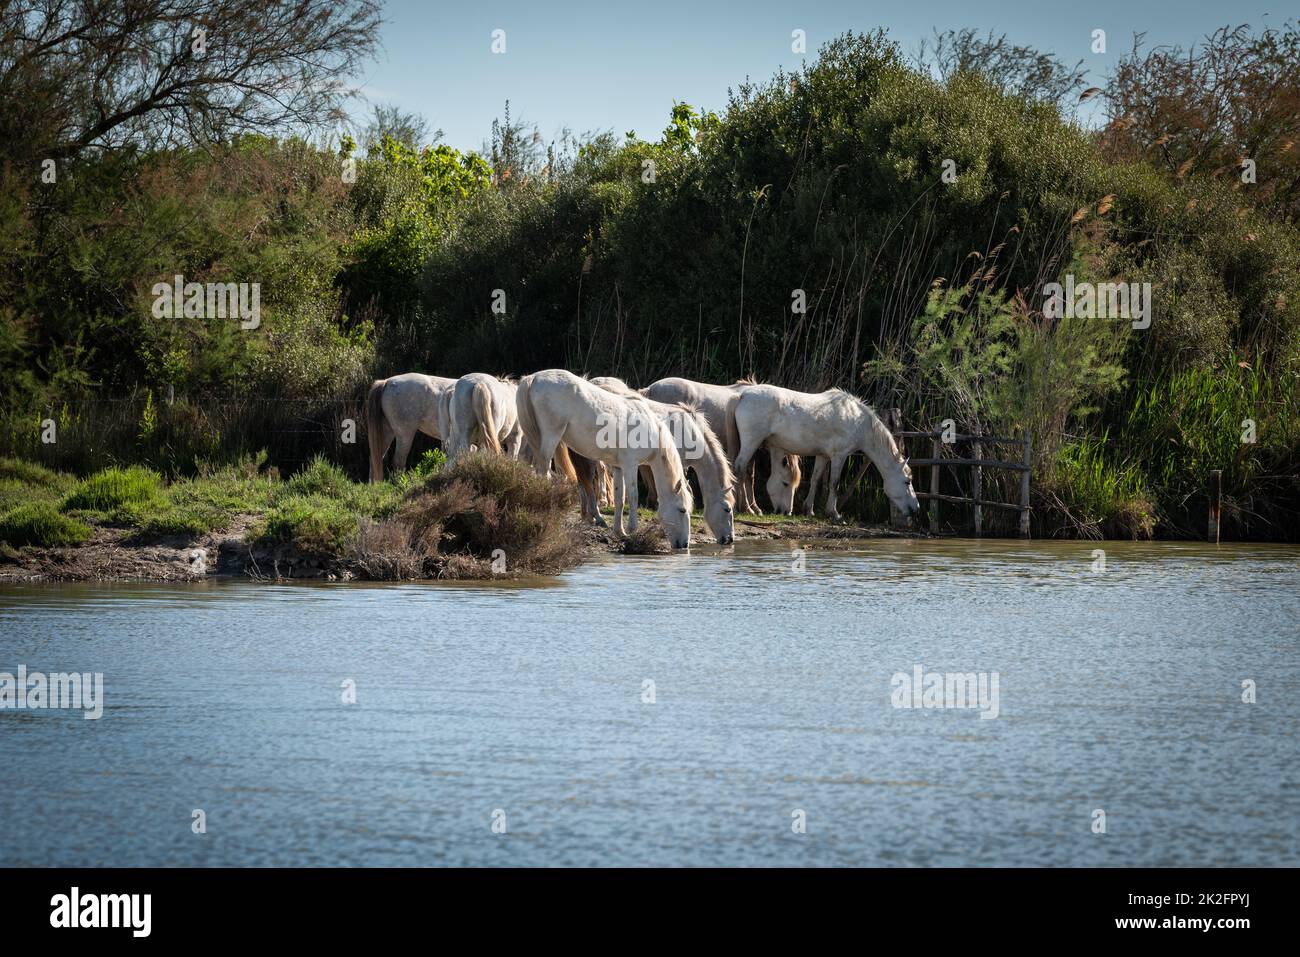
<point x="619" y="65"/>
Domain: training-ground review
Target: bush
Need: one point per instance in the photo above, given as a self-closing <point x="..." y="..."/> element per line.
<point x="39" y="523"/>
<point x="648" y="539"/>
<point x="484" y="509"/>
<point x="383" y="552"/>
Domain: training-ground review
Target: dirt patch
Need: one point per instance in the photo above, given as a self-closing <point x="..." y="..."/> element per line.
<point x="123" y="554"/>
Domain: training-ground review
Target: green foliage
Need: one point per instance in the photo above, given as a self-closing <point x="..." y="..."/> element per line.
<point x="400" y="202"/>
<point x="40" y="523"/>
<point x="115" y="488"/>
<point x="989" y="363"/>
<point x="23" y="482"/>
<point x="428" y="464"/>
<point x="320" y="477"/>
<point x="314" y="525"/>
<point x="1182" y="426"/>
<point x="1101" y="497"/>
<point x="687" y="126"/>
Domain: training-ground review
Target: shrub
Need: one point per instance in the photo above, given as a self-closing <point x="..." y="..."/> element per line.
<point x="487" y="507"/>
<point x="383" y="551"/>
<point x="648" y="539"/>
<point x="40" y="523"/>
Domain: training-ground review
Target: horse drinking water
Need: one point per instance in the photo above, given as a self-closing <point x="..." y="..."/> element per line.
<point x="831" y="425"/>
<point x="557" y="407"/>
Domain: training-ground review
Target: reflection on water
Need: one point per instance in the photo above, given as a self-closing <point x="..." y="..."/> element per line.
<point x="1119" y="690"/>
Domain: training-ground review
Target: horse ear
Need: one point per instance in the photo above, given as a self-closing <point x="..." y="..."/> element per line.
<point x="678" y="487"/>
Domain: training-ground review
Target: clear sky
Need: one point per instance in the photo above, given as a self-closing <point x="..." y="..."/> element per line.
<point x="619" y="65"/>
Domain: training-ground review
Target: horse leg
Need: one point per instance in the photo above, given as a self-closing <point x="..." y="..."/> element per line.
<point x="377" y="462"/>
<point x="618" y="502"/>
<point x="744" y="467"/>
<point x="543" y="454"/>
<point x="837" y="466"/>
<point x="746" y="479"/>
<point x="404" y="441"/>
<point x="819" y="470"/>
<point x="633" y="494"/>
<point x="652" y="494"/>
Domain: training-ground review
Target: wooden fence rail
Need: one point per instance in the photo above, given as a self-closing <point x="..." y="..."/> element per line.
<point x="977" y="463"/>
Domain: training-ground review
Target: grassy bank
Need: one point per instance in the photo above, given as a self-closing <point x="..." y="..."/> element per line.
<point x="482" y="517"/>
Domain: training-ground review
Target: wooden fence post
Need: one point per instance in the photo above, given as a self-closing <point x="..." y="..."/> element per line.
<point x="934" y="486"/>
<point x="1216" y="506"/>
<point x="1024" y="486"/>
<point x="977" y="488"/>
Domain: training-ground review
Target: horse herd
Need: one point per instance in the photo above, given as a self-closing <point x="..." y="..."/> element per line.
<point x="596" y="430"/>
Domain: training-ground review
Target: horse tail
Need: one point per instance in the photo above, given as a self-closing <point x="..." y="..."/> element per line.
<point x="733" y="431"/>
<point x="581" y="469"/>
<point x="481" y="400"/>
<point x="796" y="471"/>
<point x="673" y="465"/>
<point x="375" y="429"/>
<point x="528" y="420"/>
<point x="565" y="463"/>
<point x="746" y="479"/>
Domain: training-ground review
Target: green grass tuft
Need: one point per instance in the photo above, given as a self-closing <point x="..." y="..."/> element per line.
<point x="116" y="488"/>
<point x="40" y="523"/>
<point x="313" y="524"/>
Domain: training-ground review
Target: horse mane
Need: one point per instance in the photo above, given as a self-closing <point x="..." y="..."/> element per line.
<point x="747" y="380"/>
<point x="879" y="431"/>
<point x="728" y="477"/>
<point x="676" y="467"/>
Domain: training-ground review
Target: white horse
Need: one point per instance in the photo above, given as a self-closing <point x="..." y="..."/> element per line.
<point x="480" y="410"/>
<point x="397" y="408"/>
<point x="557" y="407"/>
<point x="830" y="425"/>
<point x="718" y="404"/>
<point x="700" y="451"/>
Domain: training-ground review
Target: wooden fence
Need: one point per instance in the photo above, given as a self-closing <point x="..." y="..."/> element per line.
<point x="976" y="462"/>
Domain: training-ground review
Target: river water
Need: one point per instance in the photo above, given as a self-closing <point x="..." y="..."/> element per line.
<point x="726" y="707"/>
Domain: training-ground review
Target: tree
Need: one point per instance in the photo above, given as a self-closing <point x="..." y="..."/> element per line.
<point x="1020" y="70"/>
<point x="83" y="74"/>
<point x="1207" y="110"/>
<point x="409" y="129"/>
